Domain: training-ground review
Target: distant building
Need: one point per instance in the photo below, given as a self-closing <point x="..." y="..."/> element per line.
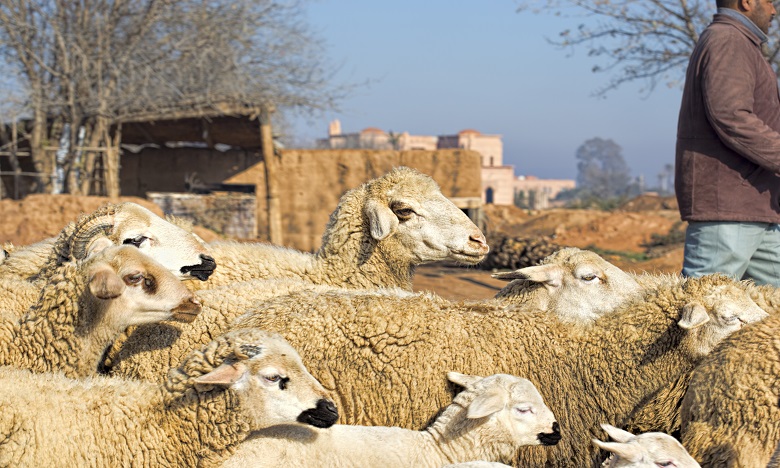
<point x="499" y="184"/>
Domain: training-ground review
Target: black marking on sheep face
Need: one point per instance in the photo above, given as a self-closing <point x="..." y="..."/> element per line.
<point x="551" y="438"/>
<point x="203" y="270"/>
<point x="324" y="415"/>
<point x="251" y="350"/>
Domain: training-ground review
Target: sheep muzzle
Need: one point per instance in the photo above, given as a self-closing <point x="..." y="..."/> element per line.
<point x="324" y="415"/>
<point x="550" y="438"/>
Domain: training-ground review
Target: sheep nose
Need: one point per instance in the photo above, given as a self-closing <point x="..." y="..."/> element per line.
<point x="324" y="415"/>
<point x="550" y="438"/>
<point x="479" y="239"/>
<point x="203" y="270"/>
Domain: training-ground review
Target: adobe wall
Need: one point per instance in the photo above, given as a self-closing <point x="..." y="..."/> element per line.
<point x="312" y="181"/>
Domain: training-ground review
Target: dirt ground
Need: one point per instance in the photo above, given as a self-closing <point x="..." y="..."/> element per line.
<point x="40" y="216"/>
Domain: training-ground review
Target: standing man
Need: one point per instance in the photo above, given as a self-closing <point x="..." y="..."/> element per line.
<point x="728" y="148"/>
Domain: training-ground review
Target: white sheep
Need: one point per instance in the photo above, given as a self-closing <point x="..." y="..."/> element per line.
<point x="489" y="420"/>
<point x="648" y="450"/>
<point x="591" y="288"/>
<point x="379" y="353"/>
<point x="87" y="304"/>
<point x="243" y="381"/>
<point x="376" y="237"/>
<point x="577" y="285"/>
<point x="731" y="410"/>
<point x="170" y="242"/>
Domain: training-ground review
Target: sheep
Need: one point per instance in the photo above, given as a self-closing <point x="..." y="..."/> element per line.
<point x="170" y="242"/>
<point x="376" y="237"/>
<point x="731" y="411"/>
<point x="378" y="352"/>
<point x="87" y="304"/>
<point x="661" y="413"/>
<point x="601" y="287"/>
<point x="578" y="285"/>
<point x="648" y="450"/>
<point x="243" y="381"/>
<point x="490" y="419"/>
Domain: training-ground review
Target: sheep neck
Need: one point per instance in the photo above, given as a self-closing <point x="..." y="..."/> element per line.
<point x="348" y="248"/>
<point x="56" y="323"/>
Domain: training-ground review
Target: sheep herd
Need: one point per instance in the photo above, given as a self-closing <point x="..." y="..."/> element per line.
<point x="128" y="341"/>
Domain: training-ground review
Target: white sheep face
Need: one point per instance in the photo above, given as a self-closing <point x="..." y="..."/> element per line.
<point x="723" y="310"/>
<point x="514" y="407"/>
<point x="649" y="450"/>
<point x="132" y="289"/>
<point x="177" y="249"/>
<point x="415" y="214"/>
<point x="273" y="385"/>
<point x="577" y="285"/>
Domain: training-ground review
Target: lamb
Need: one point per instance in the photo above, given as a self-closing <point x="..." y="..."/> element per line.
<point x="578" y="285"/>
<point x="595" y="287"/>
<point x="648" y="450"/>
<point x="243" y="381"/>
<point x="490" y="419"/>
<point x="87" y="304"/>
<point x="376" y="237"/>
<point x="730" y="413"/>
<point x="379" y="352"/>
<point x="170" y="242"/>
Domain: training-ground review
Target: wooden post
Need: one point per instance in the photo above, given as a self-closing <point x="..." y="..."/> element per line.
<point x="271" y="185"/>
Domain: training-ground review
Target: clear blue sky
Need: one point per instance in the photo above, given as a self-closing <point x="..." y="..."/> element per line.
<point x="441" y="66"/>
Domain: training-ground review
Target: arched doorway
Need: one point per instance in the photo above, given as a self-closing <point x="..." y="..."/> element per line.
<point x="489" y="195"/>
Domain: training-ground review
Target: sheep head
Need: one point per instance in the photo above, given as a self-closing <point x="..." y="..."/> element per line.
<point x="174" y="247"/>
<point x="577" y="285"/>
<point x="507" y="411"/>
<point x="267" y="375"/>
<point x="407" y="213"/>
<point x="644" y="450"/>
<point x="129" y="288"/>
<point x="718" y="306"/>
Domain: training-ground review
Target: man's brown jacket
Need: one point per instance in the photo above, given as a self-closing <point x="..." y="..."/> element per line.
<point x="728" y="136"/>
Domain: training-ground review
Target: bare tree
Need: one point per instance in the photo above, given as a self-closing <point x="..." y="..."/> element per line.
<point x="87" y="66"/>
<point x="647" y="41"/>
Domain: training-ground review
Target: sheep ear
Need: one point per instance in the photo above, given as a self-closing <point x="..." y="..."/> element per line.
<point x="224" y="375"/>
<point x="693" y="316"/>
<point x="617" y="434"/>
<point x="98" y="245"/>
<point x="104" y="283"/>
<point x="381" y="219"/>
<point x="626" y="452"/>
<point x="486" y="404"/>
<point x="546" y="274"/>
<point x="464" y="380"/>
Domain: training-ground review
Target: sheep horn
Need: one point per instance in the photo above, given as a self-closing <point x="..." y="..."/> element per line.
<point x="88" y="232"/>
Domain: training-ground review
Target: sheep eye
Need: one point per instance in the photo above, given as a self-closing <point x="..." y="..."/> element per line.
<point x="590" y="278"/>
<point x="134" y="278"/>
<point x="666" y="463"/>
<point x="524" y="409"/>
<point x="403" y="212"/>
<point x="136" y="241"/>
<point x="273" y="378"/>
<point x="732" y="319"/>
